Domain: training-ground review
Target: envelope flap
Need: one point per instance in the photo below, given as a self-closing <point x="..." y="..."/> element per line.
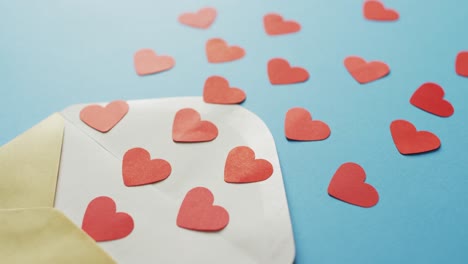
<point x="29" y="166"/>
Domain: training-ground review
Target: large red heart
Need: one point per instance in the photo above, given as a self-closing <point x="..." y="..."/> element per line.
<point x="348" y="185"/>
<point x="365" y="72"/>
<point x="375" y="10"/>
<point x="197" y="212"/>
<point x="103" y="119"/>
<point x="242" y="167"/>
<point x="217" y="51"/>
<point x="299" y="126"/>
<point x="201" y="19"/>
<point x="461" y="63"/>
<point x="147" y="62"/>
<point x="275" y="25"/>
<point x="280" y="72"/>
<point x="410" y="141"/>
<point x="217" y="91"/>
<point x="430" y="97"/>
<point x="139" y="169"/>
<point x="103" y="223"/>
<point x="188" y="127"/>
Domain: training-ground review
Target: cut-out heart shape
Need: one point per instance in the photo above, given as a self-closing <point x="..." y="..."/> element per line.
<point x="242" y="167"/>
<point x="217" y="51"/>
<point x="147" y="62"/>
<point x="461" y="64"/>
<point x="365" y="72"/>
<point x="217" y="91"/>
<point x="203" y="18"/>
<point x="348" y="185"/>
<point x="298" y="125"/>
<point x="103" y="223"/>
<point x="275" y="25"/>
<point x="188" y="127"/>
<point x="410" y="141"/>
<point x="280" y="72"/>
<point x="103" y="119"/>
<point x="375" y="10"/>
<point x="197" y="212"/>
<point x="139" y="169"/>
<point x="430" y="98"/>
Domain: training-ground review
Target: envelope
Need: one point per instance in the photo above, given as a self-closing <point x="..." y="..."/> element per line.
<point x="50" y="174"/>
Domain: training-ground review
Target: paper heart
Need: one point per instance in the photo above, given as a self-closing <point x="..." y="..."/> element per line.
<point x="410" y="141"/>
<point x="188" y="127"/>
<point x="242" y="167"/>
<point x="203" y="18"/>
<point x="217" y="50"/>
<point x="147" y="62"/>
<point x="461" y="64"/>
<point x="103" y="223"/>
<point x="280" y="72"/>
<point x="275" y="25"/>
<point x="217" y="91"/>
<point x="348" y="185"/>
<point x="139" y="169"/>
<point x="103" y="119"/>
<point x="365" y="72"/>
<point x="299" y="126"/>
<point x="375" y="10"/>
<point x="430" y="98"/>
<point x="197" y="212"/>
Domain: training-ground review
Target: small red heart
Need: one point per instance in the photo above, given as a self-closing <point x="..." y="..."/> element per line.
<point x="197" y="212"/>
<point x="375" y="10"/>
<point x="139" y="169"/>
<point x="203" y="18"/>
<point x="147" y="62"/>
<point x="103" y="119"/>
<point x="242" y="167"/>
<point x="217" y="91"/>
<point x="188" y="127"/>
<point x="348" y="185"/>
<point x="280" y="72"/>
<point x="299" y="126"/>
<point x="103" y="223"/>
<point x="461" y="64"/>
<point x="275" y="25"/>
<point x="410" y="141"/>
<point x="430" y="98"/>
<point x="217" y="50"/>
<point x="365" y="72"/>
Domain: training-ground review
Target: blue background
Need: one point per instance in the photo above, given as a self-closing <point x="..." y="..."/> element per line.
<point x="57" y="53"/>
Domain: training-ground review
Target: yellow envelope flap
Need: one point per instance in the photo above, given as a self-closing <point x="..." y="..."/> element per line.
<point x="44" y="235"/>
<point x="29" y="166"/>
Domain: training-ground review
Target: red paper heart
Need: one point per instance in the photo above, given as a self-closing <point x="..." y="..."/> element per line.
<point x="203" y="18"/>
<point x="280" y="72"/>
<point x="348" y="185"/>
<point x="365" y="72"/>
<point x="218" y="51"/>
<point x="105" y="118"/>
<point x="188" y="127"/>
<point x="242" y="167"/>
<point x="430" y="97"/>
<point x="197" y="212"/>
<point x="410" y="141"/>
<point x="103" y="223"/>
<point x="461" y="64"/>
<point x="299" y="126"/>
<point x="375" y="10"/>
<point x="139" y="169"/>
<point x="217" y="91"/>
<point x="275" y="25"/>
<point x="147" y="62"/>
